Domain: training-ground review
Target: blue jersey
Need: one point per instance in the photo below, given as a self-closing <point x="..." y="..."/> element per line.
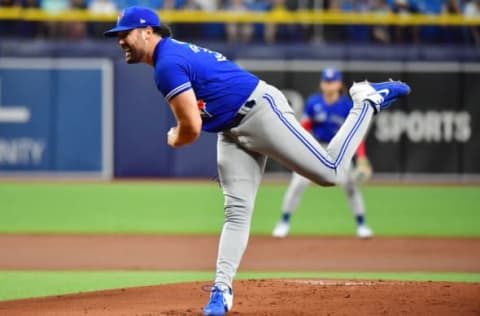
<point x="326" y="119"/>
<point x="221" y="87"/>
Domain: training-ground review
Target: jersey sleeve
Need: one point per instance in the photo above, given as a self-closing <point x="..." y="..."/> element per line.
<point x="306" y="120"/>
<point x="308" y="109"/>
<point x="306" y="123"/>
<point x="172" y="79"/>
<point x="361" y="150"/>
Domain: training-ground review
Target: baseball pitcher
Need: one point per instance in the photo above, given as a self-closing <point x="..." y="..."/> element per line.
<point x="253" y="120"/>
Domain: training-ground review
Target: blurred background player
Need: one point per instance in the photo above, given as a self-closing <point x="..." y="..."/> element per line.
<point x="325" y="111"/>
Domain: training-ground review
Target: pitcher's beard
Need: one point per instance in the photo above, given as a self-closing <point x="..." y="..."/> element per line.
<point x="132" y="57"/>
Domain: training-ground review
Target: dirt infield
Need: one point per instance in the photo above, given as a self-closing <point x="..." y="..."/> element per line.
<point x="266" y="297"/>
<point x="112" y="252"/>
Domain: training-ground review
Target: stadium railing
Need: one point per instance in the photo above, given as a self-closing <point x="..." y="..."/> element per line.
<point x="279" y="17"/>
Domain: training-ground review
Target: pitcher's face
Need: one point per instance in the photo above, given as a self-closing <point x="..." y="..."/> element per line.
<point x="133" y="44"/>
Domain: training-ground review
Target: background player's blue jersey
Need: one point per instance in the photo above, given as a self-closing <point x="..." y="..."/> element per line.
<point x="220" y="85"/>
<point x="326" y="119"/>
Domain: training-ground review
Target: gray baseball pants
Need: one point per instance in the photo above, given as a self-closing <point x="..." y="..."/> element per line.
<point x="270" y="129"/>
<point x="298" y="184"/>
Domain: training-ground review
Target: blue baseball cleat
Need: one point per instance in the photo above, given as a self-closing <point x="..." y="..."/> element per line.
<point x="390" y="91"/>
<point x="221" y="302"/>
<point x="381" y="95"/>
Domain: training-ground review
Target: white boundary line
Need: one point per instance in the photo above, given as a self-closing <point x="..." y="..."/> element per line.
<point x="357" y="66"/>
<point x="384" y="177"/>
<point x="106" y="67"/>
<point x="341" y="283"/>
<point x="52" y="63"/>
<point x="262" y="65"/>
<point x="45" y="175"/>
<point x="428" y="177"/>
<point x="107" y="120"/>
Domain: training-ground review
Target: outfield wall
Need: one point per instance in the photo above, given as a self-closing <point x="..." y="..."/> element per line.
<point x="56" y="117"/>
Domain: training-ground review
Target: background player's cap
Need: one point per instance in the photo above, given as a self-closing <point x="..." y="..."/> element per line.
<point x="331" y="74"/>
<point x="132" y="18"/>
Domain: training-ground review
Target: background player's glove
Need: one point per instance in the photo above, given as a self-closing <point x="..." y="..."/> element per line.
<point x="363" y="170"/>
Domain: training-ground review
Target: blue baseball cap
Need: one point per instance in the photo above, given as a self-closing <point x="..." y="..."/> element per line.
<point x="132" y="18"/>
<point x="331" y="74"/>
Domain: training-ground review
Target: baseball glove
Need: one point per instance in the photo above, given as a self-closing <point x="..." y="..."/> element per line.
<point x="363" y="170"/>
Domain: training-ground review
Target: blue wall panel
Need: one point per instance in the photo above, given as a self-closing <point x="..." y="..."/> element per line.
<point x="63" y="131"/>
<point x="79" y="120"/>
<point x="28" y="145"/>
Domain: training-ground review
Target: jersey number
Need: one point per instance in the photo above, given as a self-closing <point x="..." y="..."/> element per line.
<point x="217" y="55"/>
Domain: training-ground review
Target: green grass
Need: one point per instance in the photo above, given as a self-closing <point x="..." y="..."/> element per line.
<point x="22" y="284"/>
<point x="181" y="208"/>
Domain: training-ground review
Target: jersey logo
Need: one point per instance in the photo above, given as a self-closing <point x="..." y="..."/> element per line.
<point x="202" y="106"/>
<point x="320" y="117"/>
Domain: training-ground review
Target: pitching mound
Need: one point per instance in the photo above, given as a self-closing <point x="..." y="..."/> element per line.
<point x="268" y="297"/>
